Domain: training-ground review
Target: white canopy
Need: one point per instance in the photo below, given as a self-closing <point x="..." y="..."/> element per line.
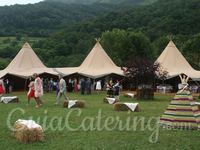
<point x="67" y="71"/>
<point x="174" y="63"/>
<point x="25" y="64"/>
<point x="96" y="64"/>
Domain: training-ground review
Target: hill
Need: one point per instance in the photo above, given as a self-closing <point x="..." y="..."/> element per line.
<point x="140" y="2"/>
<point x="157" y="21"/>
<point x="162" y="18"/>
<point x="142" y="30"/>
<point x="45" y="17"/>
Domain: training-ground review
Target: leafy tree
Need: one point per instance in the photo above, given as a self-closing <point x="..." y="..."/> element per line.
<point x="124" y="31"/>
<point x="3" y="63"/>
<point x="44" y="18"/>
<point x="142" y="45"/>
<point x="159" y="45"/>
<point x="143" y="72"/>
<point x="8" y="52"/>
<point x="89" y="2"/>
<point x="18" y="37"/>
<point x="121" y="44"/>
<point x="192" y="50"/>
<point x="117" y="44"/>
<point x="7" y="40"/>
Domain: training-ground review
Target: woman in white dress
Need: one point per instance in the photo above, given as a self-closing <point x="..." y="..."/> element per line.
<point x="98" y="85"/>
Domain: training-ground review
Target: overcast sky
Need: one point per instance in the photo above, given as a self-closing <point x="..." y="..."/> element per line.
<point x="12" y="2"/>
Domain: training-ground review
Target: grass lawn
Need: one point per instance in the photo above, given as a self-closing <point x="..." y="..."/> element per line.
<point x="92" y="140"/>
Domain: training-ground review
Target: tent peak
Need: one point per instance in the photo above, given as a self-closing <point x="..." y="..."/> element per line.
<point x="26" y="45"/>
<point x="98" y="63"/>
<point x="172" y="60"/>
<point x="171" y="44"/>
<point x="97" y="59"/>
<point x="97" y="40"/>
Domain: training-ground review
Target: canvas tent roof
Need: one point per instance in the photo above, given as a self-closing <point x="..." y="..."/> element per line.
<point x="174" y="63"/>
<point x="67" y="71"/>
<point x="25" y="63"/>
<point x="98" y="64"/>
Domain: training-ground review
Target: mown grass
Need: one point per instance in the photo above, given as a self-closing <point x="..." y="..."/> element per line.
<point x="94" y="140"/>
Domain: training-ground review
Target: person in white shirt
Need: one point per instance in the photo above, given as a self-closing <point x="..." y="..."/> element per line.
<point x="98" y="85"/>
<point x="38" y="86"/>
<point x="116" y="88"/>
<point x="62" y="90"/>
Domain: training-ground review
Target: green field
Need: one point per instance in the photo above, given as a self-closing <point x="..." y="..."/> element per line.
<point x="94" y="140"/>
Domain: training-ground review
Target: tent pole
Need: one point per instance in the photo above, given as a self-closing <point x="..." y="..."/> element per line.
<point x="197" y="83"/>
<point x="25" y="85"/>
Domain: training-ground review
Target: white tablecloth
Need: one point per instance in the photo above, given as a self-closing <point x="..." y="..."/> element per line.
<point x="111" y="100"/>
<point x="132" y="106"/>
<point x="7" y="99"/>
<point x="164" y="88"/>
<point x="130" y="94"/>
<point x="29" y="123"/>
<point x="71" y="103"/>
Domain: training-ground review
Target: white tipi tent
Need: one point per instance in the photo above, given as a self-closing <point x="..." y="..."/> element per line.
<point x="98" y="64"/>
<point x="174" y="63"/>
<point x="25" y="64"/>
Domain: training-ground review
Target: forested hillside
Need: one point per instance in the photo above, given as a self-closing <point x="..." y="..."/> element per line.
<point x="154" y="24"/>
<point x="104" y="1"/>
<point x="45" y="17"/>
<point x="143" y="30"/>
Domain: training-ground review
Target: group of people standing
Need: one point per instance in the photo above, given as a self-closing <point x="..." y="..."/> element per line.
<point x="113" y="88"/>
<point x="85" y="86"/>
<point x="5" y="87"/>
<point x="73" y="85"/>
<point x="36" y="88"/>
<point x="48" y="85"/>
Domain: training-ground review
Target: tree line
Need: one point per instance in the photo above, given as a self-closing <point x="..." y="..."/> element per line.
<point x="138" y="31"/>
<point x="44" y="18"/>
<point x="142" y="30"/>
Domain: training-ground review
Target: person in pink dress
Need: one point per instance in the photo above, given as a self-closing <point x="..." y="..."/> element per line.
<point x="31" y="92"/>
<point x="2" y="88"/>
<point x="38" y="86"/>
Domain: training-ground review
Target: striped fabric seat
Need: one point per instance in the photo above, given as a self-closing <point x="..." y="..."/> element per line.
<point x="182" y="112"/>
